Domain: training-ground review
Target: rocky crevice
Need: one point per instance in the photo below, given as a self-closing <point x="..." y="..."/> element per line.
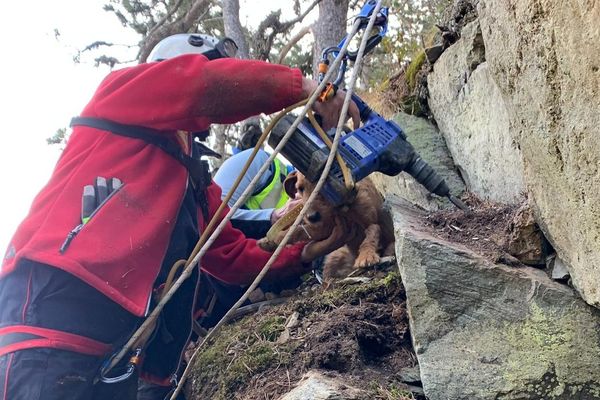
<point x="487" y="330"/>
<point x="499" y="303"/>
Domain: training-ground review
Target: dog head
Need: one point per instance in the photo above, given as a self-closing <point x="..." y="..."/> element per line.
<point x="319" y="220"/>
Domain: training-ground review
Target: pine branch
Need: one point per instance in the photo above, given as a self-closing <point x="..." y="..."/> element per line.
<point x="263" y="42"/>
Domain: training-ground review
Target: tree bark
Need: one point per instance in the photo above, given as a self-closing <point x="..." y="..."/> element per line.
<point x="329" y="28"/>
<point x="233" y="26"/>
<point x="220" y="141"/>
<point x="234" y="30"/>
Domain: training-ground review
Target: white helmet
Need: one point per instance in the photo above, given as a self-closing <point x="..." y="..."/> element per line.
<point x="192" y="43"/>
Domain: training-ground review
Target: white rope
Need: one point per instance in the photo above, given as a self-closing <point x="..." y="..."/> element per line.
<point x="152" y="317"/>
<point x="318" y="186"/>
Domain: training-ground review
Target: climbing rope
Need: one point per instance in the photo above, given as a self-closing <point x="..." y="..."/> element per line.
<point x="313" y="195"/>
<point x="139" y="338"/>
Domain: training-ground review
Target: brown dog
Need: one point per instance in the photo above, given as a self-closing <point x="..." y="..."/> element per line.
<point x="365" y="214"/>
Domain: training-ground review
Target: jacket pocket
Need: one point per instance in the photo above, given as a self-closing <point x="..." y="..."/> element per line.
<point x="75" y="231"/>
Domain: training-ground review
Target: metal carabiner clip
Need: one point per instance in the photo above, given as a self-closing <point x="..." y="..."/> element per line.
<point x="334" y="51"/>
<point x="134" y="360"/>
<point x="381" y="22"/>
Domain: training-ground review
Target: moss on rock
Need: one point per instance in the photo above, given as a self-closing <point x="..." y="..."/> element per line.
<point x="413" y="69"/>
<point x="250" y="350"/>
<point x="240" y="351"/>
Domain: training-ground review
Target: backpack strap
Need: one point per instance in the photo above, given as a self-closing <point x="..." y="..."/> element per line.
<point x="198" y="169"/>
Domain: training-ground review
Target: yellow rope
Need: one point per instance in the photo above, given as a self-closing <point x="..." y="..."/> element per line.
<point x="284" y="222"/>
<point x="217" y="214"/>
<point x="168" y="292"/>
<point x="343" y="166"/>
<point x="319" y="184"/>
<point x="345" y="171"/>
<point x="140" y="337"/>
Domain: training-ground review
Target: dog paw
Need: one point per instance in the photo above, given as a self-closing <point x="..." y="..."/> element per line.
<point x="366" y="259"/>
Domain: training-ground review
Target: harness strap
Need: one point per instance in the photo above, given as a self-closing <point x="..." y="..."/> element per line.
<point x="20" y="337"/>
<point x="198" y="169"/>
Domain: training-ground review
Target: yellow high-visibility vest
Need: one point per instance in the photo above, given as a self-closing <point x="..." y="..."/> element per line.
<point x="273" y="195"/>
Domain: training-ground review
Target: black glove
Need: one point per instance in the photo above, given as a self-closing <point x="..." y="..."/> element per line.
<point x="96" y="194"/>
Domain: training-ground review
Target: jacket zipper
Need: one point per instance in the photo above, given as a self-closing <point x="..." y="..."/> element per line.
<point x="79" y="227"/>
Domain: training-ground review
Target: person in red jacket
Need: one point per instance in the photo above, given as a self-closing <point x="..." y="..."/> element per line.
<point x="126" y="200"/>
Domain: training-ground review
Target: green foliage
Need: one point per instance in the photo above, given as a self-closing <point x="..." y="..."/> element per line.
<point x="153" y="20"/>
<point x="156" y="19"/>
<point x="246" y="349"/>
<point x="59" y="137"/>
<point x="299" y="56"/>
<point x="374" y="291"/>
<point x="301" y="59"/>
<point x="249" y="347"/>
<point x="271" y="328"/>
<point x="410" y="21"/>
<point x="144" y="15"/>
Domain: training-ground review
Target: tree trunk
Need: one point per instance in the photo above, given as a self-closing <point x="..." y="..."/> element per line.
<point x="219" y="133"/>
<point x="329" y="28"/>
<point x="234" y="30"/>
<point x="233" y="27"/>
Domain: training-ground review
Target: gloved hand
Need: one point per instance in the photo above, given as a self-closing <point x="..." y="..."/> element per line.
<point x="95" y="195"/>
<point x="341" y="234"/>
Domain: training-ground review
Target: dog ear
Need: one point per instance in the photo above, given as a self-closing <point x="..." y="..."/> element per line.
<point x="289" y="184"/>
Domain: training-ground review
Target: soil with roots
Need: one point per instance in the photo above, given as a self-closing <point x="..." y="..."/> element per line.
<point x="358" y="330"/>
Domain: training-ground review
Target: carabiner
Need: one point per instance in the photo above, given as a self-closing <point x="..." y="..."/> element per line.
<point x="381" y="22"/>
<point x="334" y="51"/>
<point x="134" y="360"/>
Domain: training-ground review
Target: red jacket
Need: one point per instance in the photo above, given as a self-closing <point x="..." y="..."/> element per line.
<point x="120" y="250"/>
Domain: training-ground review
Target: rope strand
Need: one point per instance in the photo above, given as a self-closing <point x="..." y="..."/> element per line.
<point x="319" y="185"/>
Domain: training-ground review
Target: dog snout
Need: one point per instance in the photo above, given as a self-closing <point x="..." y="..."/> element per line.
<point x="314" y="217"/>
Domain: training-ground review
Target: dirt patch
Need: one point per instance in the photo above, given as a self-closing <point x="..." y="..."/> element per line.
<point x="358" y="330"/>
<point x="405" y="91"/>
<point x="486" y="230"/>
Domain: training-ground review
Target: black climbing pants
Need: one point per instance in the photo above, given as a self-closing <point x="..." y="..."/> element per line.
<point x="41" y="296"/>
<point x="51" y="374"/>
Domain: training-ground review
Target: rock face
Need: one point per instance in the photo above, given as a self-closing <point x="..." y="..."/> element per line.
<point x="527" y="111"/>
<point x="544" y="56"/>
<point x="485" y="331"/>
<point x="471" y="114"/>
<point x="317" y="386"/>
<point x="525" y="241"/>
<point x="429" y="143"/>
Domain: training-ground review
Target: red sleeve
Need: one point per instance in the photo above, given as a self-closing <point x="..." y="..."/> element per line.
<point x="190" y="92"/>
<point x="235" y="259"/>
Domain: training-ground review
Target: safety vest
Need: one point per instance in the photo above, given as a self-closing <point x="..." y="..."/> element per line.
<point x="273" y="195"/>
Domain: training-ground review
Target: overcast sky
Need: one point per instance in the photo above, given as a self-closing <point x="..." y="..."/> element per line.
<point x="41" y="88"/>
